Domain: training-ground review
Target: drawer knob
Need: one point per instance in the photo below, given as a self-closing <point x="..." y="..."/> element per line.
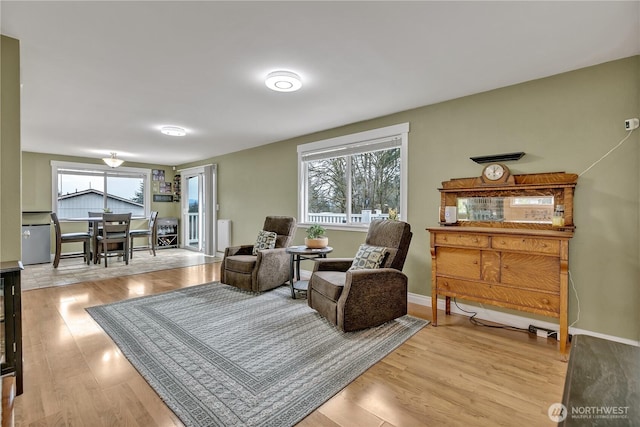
<point x="545" y="301"/>
<point x="502" y="242"/>
<point x="444" y="238"/>
<point x="506" y="267"/>
<point x="475" y="261"/>
<point x="523" y="240"/>
<point x="475" y="240"/>
<point x="544" y="245"/>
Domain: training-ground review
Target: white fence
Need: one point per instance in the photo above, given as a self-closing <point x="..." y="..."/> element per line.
<point x="336" y="218"/>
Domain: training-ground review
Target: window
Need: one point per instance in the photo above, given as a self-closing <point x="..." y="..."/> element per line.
<point x="82" y="188"/>
<point x="349" y="181"/>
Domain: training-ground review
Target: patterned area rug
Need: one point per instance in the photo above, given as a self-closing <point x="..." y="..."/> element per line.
<point x="74" y="270"/>
<point x="222" y="357"/>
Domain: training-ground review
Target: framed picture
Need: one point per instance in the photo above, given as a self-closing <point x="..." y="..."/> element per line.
<point x="155" y="187"/>
<point x="162" y="198"/>
<point x="157" y="174"/>
<point x="165" y="187"/>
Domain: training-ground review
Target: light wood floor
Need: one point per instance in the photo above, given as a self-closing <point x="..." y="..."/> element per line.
<point x="453" y="374"/>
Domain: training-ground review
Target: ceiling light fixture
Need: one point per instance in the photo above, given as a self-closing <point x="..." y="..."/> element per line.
<point x="283" y="81"/>
<point x="173" y="130"/>
<point x="112" y="161"/>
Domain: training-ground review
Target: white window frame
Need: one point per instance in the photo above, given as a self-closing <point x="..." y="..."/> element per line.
<point x="92" y="167"/>
<point x="352" y="142"/>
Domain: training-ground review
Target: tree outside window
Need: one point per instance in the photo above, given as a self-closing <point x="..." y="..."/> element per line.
<point x="353" y="183"/>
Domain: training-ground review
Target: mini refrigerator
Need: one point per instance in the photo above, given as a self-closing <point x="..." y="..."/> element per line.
<point x="36" y="244"/>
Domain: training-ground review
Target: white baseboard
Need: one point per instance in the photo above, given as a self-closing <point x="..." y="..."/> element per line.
<point x="511" y="319"/>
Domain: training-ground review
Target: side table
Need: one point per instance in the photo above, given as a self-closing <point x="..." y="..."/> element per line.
<point x="299" y="253"/>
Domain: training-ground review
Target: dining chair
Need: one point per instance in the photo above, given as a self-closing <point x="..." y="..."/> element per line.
<point x="151" y="233"/>
<point x="113" y="238"/>
<point x="80" y="237"/>
<point x="94" y="230"/>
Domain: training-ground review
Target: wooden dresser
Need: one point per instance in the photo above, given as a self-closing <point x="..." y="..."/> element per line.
<point x="513" y="260"/>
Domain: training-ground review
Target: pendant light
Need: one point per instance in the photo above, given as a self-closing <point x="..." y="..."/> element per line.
<point x="112" y="161"/>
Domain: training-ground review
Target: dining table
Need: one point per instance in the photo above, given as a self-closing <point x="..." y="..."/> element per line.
<point x="93" y="224"/>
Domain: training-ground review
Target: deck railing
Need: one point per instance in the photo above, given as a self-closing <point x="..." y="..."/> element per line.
<point x="193" y="224"/>
<point x="339" y="218"/>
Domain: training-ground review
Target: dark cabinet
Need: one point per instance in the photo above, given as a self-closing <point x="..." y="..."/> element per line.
<point x="11" y="321"/>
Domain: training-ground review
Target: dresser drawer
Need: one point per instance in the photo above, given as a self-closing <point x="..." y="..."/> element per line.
<point x="503" y="296"/>
<point x="468" y="240"/>
<point x="528" y="244"/>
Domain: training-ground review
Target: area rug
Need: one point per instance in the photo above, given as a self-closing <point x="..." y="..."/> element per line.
<point x="219" y="356"/>
<point x="74" y="270"/>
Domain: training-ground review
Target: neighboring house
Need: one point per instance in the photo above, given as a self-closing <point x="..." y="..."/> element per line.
<point x="79" y="204"/>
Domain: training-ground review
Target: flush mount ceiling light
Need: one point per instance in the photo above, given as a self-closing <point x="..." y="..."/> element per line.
<point x="112" y="161"/>
<point x="283" y="81"/>
<point x="173" y="130"/>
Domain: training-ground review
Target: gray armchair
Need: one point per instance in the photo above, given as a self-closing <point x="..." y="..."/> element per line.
<point x="266" y="270"/>
<point x="359" y="299"/>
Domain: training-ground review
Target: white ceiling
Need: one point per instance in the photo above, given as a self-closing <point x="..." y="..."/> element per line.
<point x="104" y="76"/>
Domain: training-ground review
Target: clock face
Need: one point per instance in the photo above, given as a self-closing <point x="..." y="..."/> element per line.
<point x="494" y="171"/>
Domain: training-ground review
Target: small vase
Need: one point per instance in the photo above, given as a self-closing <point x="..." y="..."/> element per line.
<point x="317" y="243"/>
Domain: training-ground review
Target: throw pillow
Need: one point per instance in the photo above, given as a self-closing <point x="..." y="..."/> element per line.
<point x="265" y="240"/>
<point x="368" y="257"/>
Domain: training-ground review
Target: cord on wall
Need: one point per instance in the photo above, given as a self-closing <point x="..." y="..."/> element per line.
<point x="630" y="125"/>
<point x="575" y="291"/>
<point x="608" y="152"/>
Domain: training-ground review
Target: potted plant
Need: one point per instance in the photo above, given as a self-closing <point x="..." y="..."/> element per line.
<point x="315" y="237"/>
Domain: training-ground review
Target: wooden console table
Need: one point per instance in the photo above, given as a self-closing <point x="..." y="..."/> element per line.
<point x="502" y="247"/>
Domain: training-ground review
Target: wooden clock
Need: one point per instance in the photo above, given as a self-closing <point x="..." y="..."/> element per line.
<point x="496" y="173"/>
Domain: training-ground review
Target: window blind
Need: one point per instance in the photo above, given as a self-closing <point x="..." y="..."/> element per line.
<point x="360" y="147"/>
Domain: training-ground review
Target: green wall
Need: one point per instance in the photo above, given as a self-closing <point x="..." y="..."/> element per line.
<point x="564" y="123"/>
<point x="10" y="220"/>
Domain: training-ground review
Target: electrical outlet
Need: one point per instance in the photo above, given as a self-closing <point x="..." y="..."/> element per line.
<point x="631" y="124"/>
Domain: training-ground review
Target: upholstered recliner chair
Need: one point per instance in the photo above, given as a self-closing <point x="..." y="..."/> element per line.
<point x="351" y="295"/>
<point x="262" y="269"/>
